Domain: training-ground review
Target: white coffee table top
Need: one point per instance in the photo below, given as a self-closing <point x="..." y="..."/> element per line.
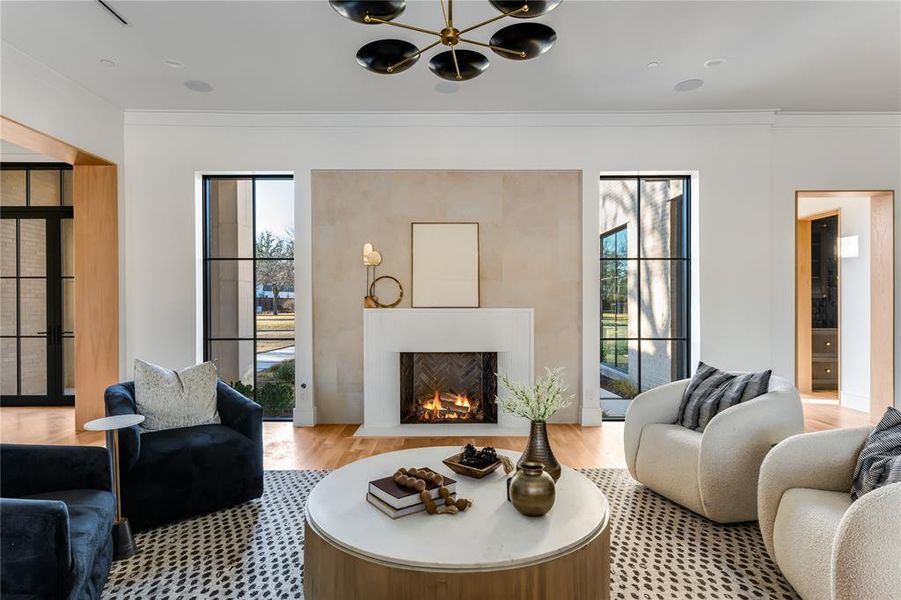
<point x="114" y="422"/>
<point x="490" y="535"/>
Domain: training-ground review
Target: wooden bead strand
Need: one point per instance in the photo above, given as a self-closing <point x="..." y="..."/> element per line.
<point x="418" y="480"/>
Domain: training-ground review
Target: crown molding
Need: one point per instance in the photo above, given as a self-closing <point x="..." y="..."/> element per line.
<point x="359" y="119"/>
<point x="844" y="119"/>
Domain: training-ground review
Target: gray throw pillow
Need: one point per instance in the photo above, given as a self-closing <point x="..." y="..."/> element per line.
<point x="712" y="391"/>
<point x="879" y="462"/>
<point x="170" y="399"/>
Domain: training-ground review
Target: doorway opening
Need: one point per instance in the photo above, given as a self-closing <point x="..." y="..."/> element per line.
<point x="844" y="284"/>
<point x="37" y="328"/>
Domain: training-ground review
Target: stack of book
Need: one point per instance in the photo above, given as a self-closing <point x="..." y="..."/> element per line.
<point x="396" y="501"/>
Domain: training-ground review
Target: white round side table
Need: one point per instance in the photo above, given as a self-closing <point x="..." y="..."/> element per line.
<point x="123" y="541"/>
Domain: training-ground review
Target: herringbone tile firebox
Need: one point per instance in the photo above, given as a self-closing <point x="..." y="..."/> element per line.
<point x="448" y="387"/>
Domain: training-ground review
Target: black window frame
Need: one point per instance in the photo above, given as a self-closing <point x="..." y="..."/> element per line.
<point x="613" y="233"/>
<point x="254" y="259"/>
<point x="680" y="366"/>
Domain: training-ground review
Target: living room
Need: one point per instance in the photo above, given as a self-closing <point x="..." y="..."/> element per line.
<point x="365" y="267"/>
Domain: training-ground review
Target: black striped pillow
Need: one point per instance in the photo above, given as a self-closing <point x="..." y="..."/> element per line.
<point x="712" y="391"/>
<point x="879" y="462"/>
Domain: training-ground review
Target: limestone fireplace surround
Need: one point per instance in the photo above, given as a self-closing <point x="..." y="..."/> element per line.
<point x="389" y="332"/>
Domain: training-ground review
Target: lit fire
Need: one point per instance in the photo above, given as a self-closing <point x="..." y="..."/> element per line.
<point x="444" y="407"/>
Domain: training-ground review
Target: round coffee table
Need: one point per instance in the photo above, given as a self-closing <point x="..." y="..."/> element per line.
<point x="354" y="551"/>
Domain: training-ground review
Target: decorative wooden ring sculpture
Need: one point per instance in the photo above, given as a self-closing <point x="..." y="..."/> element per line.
<point x="400" y="292"/>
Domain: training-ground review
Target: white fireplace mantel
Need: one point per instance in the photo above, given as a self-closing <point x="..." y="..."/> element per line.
<point x="388" y="332"/>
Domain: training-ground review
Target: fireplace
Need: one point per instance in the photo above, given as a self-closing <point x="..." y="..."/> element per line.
<point x="448" y="387"/>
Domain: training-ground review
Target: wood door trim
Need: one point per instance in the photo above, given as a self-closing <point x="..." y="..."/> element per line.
<point x="22" y="135"/>
<point x="882" y="294"/>
<point x="803" y="309"/>
<point x="882" y="310"/>
<point x="821" y="215"/>
<point x="96" y="233"/>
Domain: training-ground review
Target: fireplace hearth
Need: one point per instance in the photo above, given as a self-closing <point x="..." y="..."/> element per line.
<point x="448" y="387"/>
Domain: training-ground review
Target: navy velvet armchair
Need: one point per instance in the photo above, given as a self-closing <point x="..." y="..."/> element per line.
<point x="56" y="519"/>
<point x="179" y="473"/>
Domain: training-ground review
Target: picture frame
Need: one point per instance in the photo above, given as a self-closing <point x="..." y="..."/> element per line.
<point x="445" y="265"/>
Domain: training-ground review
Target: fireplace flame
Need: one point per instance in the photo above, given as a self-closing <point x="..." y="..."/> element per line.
<point x="444" y="407"/>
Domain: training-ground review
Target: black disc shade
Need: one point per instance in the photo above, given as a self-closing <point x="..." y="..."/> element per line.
<point x="536" y="7"/>
<point x="377" y="56"/>
<point x="356" y="10"/>
<point x="532" y="38"/>
<point x="472" y="64"/>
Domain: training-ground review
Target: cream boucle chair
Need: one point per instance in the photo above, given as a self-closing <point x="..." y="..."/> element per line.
<point x="713" y="473"/>
<point x="827" y="547"/>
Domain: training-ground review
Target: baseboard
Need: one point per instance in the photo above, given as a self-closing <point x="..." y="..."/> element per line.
<point x="855" y="401"/>
<point x="592" y="417"/>
<point x="304" y="417"/>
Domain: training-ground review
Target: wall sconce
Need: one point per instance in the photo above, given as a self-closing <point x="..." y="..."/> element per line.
<point x="848" y="246"/>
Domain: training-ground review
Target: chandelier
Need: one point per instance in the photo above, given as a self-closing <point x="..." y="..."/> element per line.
<point x="521" y="41"/>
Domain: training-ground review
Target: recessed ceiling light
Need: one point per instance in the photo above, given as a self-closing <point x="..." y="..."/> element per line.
<point x="198" y="86"/>
<point x="688" y="85"/>
<point x="108" y="62"/>
<point x="711" y="63"/>
<point x="447" y="87"/>
<point x="653" y="64"/>
<point x="174" y="64"/>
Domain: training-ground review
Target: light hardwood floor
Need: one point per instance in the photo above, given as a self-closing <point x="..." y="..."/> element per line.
<point x="331" y="446"/>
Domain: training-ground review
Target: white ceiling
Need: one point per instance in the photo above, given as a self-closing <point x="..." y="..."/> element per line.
<point x="299" y="56"/>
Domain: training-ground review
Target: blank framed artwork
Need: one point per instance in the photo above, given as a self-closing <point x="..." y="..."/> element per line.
<point x="445" y="265"/>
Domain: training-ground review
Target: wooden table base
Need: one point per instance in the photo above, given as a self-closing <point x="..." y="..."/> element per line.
<point x="332" y="574"/>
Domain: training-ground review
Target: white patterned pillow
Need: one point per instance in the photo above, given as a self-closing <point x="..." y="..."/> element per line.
<point x="171" y="399"/>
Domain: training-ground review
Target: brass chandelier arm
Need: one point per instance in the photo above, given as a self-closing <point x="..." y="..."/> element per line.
<point x="456" y="64"/>
<point x="413" y="56"/>
<point x="444" y="12"/>
<point x="371" y="19"/>
<point x="521" y="9"/>
<point x="518" y="53"/>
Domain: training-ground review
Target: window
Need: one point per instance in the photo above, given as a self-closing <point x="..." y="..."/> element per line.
<point x="644" y="275"/>
<point x="614" y="300"/>
<point x="249" y="312"/>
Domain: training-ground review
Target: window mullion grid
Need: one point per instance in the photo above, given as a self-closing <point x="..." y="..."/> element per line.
<point x="19" y="298"/>
<point x="253" y="246"/>
<point x="638" y="273"/>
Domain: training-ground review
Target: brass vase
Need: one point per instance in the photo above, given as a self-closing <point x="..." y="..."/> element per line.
<point x="532" y="490"/>
<point x="539" y="450"/>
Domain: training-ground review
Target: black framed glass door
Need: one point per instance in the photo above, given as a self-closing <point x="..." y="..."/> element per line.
<point x="36" y="289"/>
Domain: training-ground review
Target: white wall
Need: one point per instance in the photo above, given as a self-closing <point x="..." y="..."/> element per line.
<point x="749" y="166"/>
<point x="37" y="96"/>
<point x="854" y="291"/>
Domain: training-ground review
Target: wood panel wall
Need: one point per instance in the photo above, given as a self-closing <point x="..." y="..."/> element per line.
<point x="882" y="289"/>
<point x="96" y="288"/>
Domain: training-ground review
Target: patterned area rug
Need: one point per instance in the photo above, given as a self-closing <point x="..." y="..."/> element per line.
<point x="660" y="551"/>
